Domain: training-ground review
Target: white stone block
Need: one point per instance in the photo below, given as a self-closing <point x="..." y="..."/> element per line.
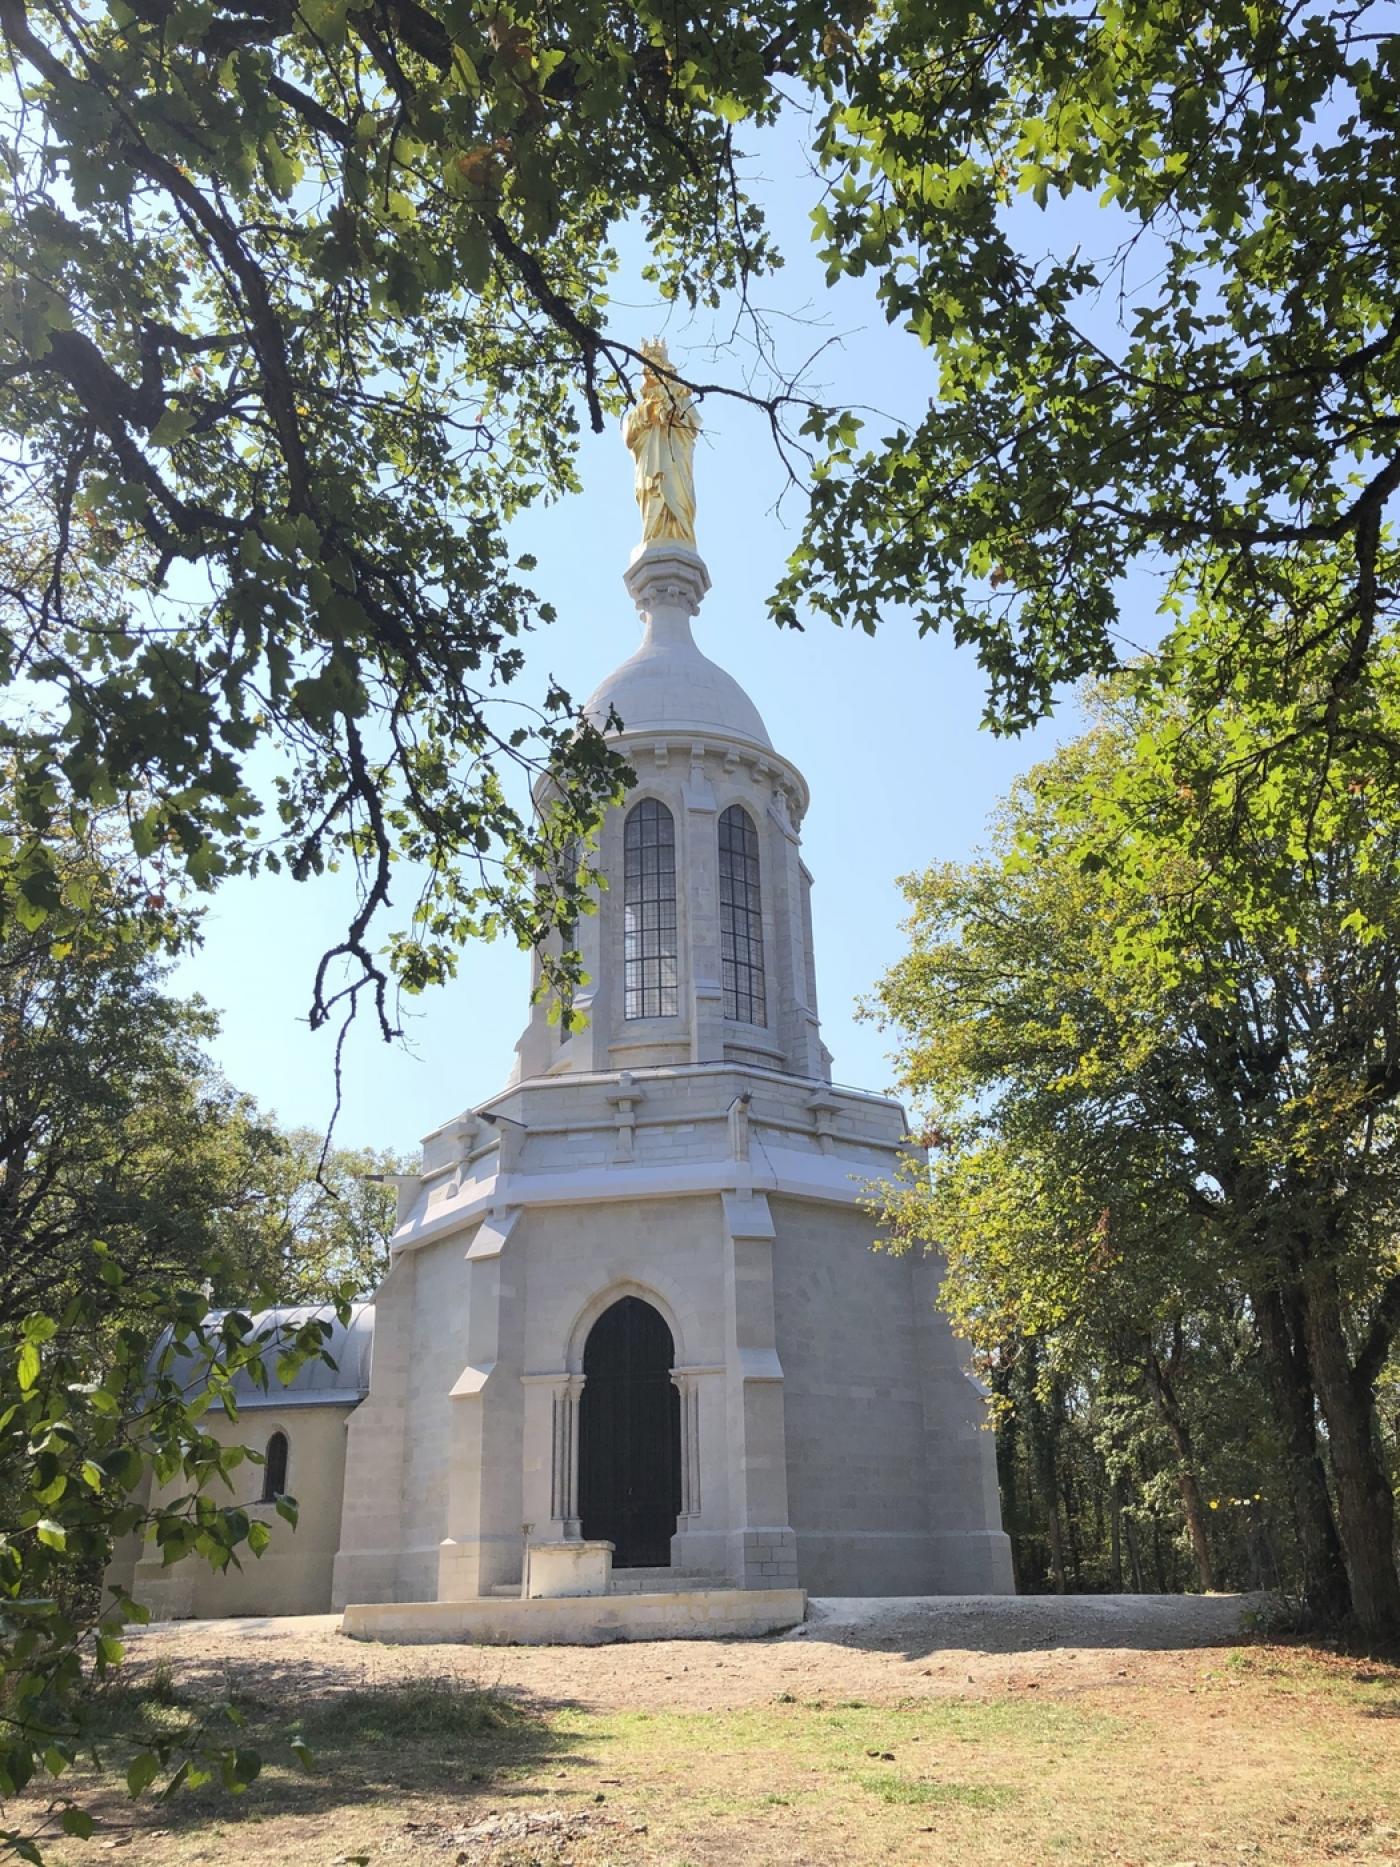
<point x="556" y="1570"/>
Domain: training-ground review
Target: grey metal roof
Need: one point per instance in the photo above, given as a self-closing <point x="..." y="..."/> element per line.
<point x="315" y="1384"/>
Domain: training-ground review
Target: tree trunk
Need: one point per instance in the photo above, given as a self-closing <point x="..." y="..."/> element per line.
<point x="1115" y="1537"/>
<point x="1187" y="1483"/>
<point x="1055" y="1538"/>
<point x="1130" y="1530"/>
<point x="1326" y="1593"/>
<point x="1041" y="1449"/>
<point x="1043" y="1468"/>
<point x="1008" y="1434"/>
<point x="1158" y="1561"/>
<point x="1365" y="1506"/>
<point x="1072" y="1532"/>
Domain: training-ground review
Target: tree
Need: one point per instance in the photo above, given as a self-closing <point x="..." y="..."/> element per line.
<point x="325" y="1216"/>
<point x="116" y="1137"/>
<point x="134" y="1186"/>
<point x="1161" y="1084"/>
<point x="303" y="306"/>
<point x="115" y="1130"/>
<point x="80" y="1433"/>
<point x="296" y="304"/>
<point x="1198" y="380"/>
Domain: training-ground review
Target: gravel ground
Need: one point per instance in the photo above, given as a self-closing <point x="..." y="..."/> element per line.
<point x="874" y="1650"/>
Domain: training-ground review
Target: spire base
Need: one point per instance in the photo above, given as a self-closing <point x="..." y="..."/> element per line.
<point x="663" y="575"/>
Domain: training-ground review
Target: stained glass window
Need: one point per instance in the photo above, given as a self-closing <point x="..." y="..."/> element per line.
<point x="740" y="918"/>
<point x="649" y="912"/>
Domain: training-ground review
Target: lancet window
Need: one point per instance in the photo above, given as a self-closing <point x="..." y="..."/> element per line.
<point x="740" y="918"/>
<point x="274" y="1468"/>
<point x="568" y="932"/>
<point x="649" y="912"/>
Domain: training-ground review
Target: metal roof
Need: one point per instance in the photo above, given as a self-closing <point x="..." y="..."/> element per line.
<point x="316" y="1383"/>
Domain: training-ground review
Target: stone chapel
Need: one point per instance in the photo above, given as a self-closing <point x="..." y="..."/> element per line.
<point x="633" y="1299"/>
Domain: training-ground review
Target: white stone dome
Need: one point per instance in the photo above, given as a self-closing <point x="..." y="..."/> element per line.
<point x="668" y="685"/>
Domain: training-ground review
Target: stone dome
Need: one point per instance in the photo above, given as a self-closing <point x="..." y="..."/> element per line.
<point x="668" y="685"/>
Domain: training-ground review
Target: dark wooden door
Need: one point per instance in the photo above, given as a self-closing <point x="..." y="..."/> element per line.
<point x="630" y="1436"/>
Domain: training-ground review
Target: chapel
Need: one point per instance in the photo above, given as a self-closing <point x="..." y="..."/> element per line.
<point x="633" y="1304"/>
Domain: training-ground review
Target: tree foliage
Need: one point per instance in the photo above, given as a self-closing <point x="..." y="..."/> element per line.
<point x="294" y="304"/>
<point x="116" y="1136"/>
<point x="82" y="1429"/>
<point x="325" y="1217"/>
<point x="1161" y="1066"/>
<point x="136" y="1189"/>
<point x="1200" y="375"/>
<point x="303" y="305"/>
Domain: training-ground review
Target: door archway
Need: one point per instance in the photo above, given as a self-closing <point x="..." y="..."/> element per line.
<point x="630" y="1435"/>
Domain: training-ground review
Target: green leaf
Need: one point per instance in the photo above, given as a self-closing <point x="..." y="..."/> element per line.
<point x="173" y="426"/>
<point x="142" y="1771"/>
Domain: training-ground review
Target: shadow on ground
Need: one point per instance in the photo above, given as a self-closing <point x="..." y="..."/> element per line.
<point x="425" y="1745"/>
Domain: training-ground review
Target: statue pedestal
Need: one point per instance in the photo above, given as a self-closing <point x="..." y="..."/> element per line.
<point x="663" y="576"/>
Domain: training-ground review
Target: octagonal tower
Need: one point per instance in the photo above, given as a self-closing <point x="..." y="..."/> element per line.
<point x="633" y="1297"/>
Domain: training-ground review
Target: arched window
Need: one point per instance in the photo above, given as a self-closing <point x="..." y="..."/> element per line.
<point x="740" y="918"/>
<point x="274" y="1468"/>
<point x="649" y="912"/>
<point x="568" y="933"/>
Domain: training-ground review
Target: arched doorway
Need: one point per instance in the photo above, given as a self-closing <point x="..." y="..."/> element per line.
<point x="629" y="1454"/>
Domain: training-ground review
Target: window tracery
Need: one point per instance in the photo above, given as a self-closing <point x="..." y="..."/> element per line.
<point x="740" y="918"/>
<point x="650" y="977"/>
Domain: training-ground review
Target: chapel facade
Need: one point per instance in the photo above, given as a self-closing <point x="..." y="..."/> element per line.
<point x="633" y="1298"/>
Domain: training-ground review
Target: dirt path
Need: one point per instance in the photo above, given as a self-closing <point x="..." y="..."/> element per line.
<point x="877" y="1651"/>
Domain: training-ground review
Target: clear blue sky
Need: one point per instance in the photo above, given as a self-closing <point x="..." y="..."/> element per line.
<point x="885" y="729"/>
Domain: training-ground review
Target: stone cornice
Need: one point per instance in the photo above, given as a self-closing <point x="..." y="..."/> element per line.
<point x="684" y="744"/>
<point x="828" y="1179"/>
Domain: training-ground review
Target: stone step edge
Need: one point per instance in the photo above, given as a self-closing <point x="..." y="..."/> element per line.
<point x="659" y="1582"/>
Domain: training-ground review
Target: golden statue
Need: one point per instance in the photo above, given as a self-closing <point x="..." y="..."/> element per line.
<point x="661" y="431"/>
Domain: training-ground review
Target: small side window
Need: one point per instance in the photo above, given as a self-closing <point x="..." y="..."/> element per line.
<point x="274" y="1468"/>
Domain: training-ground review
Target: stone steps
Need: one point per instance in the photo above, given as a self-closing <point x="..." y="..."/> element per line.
<point x="643" y="1582"/>
<point x="664" y="1581"/>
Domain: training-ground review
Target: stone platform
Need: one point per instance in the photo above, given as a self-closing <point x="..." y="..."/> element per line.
<point x="579" y="1620"/>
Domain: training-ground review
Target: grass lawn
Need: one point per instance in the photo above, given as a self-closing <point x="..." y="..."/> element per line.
<point x="1247" y="1754"/>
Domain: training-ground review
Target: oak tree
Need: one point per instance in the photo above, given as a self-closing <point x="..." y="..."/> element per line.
<point x="1160" y="1082"/>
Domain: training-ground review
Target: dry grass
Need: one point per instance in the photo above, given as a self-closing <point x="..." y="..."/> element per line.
<point x="1252" y="1753"/>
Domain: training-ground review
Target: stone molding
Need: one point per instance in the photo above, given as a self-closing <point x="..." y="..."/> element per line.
<point x="782" y="1171"/>
<point x="568" y="1391"/>
<point x="687" y="1382"/>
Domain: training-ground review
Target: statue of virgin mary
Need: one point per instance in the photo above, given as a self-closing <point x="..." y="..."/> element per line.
<point x="660" y="430"/>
